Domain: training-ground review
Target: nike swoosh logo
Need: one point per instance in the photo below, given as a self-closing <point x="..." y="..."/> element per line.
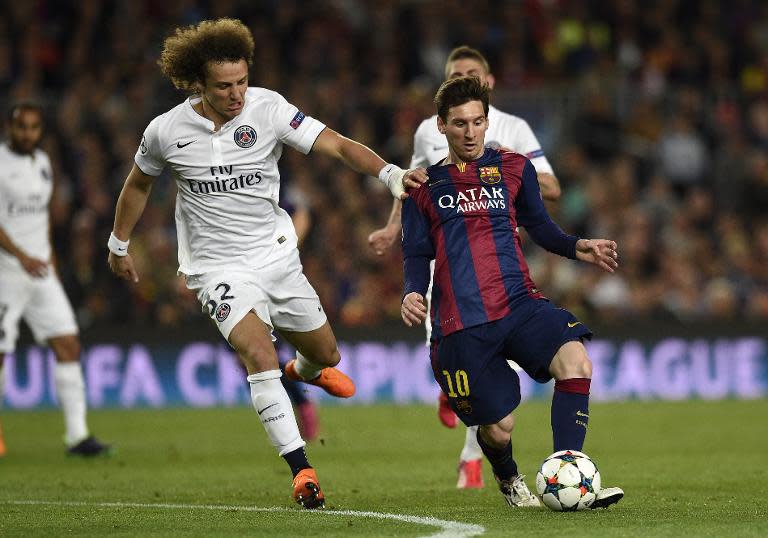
<point x="180" y="145"/>
<point x="580" y="414"/>
<point x="273" y="405"/>
<point x="438" y="148"/>
<point x="572" y="325"/>
<point x="121" y="249"/>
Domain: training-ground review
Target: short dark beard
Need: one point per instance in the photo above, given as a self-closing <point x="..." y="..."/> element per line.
<point x="16" y="149"/>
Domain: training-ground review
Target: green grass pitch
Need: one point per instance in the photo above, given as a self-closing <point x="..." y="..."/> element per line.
<point x="688" y="469"/>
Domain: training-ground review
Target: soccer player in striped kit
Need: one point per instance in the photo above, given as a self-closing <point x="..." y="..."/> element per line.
<point x="429" y="146"/>
<point x="485" y="308"/>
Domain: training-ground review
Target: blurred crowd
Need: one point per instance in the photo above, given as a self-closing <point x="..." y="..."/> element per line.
<point x="654" y="115"/>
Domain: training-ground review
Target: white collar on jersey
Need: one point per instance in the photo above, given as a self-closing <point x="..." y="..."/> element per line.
<point x="205" y="122"/>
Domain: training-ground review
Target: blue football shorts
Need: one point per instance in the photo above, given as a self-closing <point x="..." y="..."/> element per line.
<point x="471" y="364"/>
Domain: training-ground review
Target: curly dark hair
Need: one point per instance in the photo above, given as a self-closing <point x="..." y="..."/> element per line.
<point x="187" y="52"/>
<point x="457" y="91"/>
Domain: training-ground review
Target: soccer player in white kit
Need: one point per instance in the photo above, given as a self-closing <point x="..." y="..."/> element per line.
<point x="29" y="286"/>
<point x="237" y="247"/>
<point x="429" y="147"/>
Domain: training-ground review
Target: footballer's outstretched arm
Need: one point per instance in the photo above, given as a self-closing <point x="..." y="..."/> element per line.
<point x="533" y="216"/>
<point x="354" y="154"/>
<point x="130" y="206"/>
<point x="364" y="160"/>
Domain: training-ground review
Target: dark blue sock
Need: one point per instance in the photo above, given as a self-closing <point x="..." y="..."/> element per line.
<point x="570" y="413"/>
<point x="504" y="465"/>
<point x="297" y="460"/>
<point x="294" y="390"/>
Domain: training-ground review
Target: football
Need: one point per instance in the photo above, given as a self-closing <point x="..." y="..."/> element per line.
<point x="567" y="481"/>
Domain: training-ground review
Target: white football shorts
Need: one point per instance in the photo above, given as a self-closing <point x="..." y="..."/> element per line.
<point x="41" y="302"/>
<point x="279" y="294"/>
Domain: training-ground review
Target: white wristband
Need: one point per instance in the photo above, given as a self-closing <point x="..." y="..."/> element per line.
<point x="392" y="176"/>
<point x="117" y="247"/>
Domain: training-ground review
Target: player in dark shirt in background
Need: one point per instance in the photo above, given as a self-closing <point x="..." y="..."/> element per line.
<point x="296" y="204"/>
<point x="485" y="306"/>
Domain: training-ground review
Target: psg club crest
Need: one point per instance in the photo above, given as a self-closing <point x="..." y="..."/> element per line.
<point x="222" y="311"/>
<point x="490" y="174"/>
<point x="245" y="136"/>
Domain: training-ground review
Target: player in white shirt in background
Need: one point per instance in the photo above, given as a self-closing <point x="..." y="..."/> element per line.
<point x="237" y="247"/>
<point x="430" y="146"/>
<point x="29" y="286"/>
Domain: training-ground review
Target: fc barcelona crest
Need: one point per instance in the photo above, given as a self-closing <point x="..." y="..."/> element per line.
<point x="464" y="406"/>
<point x="490" y="174"/>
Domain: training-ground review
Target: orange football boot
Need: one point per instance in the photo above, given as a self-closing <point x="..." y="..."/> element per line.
<point x="306" y="490"/>
<point x="331" y="380"/>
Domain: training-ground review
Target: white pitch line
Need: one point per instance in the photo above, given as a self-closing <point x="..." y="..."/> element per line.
<point x="448" y="529"/>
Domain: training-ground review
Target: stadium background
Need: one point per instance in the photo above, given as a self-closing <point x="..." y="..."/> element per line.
<point x="653" y="114"/>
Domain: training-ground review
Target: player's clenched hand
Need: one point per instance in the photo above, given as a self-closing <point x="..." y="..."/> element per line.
<point x="380" y="240"/>
<point x="601" y="252"/>
<point x="413" y="310"/>
<point x="122" y="266"/>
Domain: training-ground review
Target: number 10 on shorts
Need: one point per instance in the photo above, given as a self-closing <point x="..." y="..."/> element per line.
<point x="461" y="383"/>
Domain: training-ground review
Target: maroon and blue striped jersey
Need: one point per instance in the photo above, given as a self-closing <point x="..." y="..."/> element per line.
<point x="465" y="217"/>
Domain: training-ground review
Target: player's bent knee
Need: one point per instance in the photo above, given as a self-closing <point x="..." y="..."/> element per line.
<point x="571" y="361"/>
<point x="580" y="366"/>
<point x="66" y="348"/>
<point x="317" y="346"/>
<point x="497" y="435"/>
<point x="333" y="358"/>
<point x="585" y="368"/>
<point x="328" y="356"/>
<point x="494" y="435"/>
<point x="256" y="357"/>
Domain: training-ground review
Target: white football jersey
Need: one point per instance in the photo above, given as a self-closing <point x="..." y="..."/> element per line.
<point x="430" y="146"/>
<point x="227" y="213"/>
<point x="26" y="184"/>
